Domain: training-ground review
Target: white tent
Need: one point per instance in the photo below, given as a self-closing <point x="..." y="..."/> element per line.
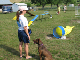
<point x="71" y="5"/>
<point x="15" y="6"/>
<point x="4" y="2"/>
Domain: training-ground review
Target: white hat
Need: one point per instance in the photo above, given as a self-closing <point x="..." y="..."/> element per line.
<point x="21" y="8"/>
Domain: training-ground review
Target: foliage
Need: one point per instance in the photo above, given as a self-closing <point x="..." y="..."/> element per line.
<point x="51" y="1"/>
<point x="28" y="4"/>
<point x="43" y="3"/>
<point x="38" y="4"/>
<point x="34" y="1"/>
<point x="56" y="2"/>
<point x="69" y="1"/>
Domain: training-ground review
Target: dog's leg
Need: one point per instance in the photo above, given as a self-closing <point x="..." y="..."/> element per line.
<point x="46" y="58"/>
<point x="40" y="55"/>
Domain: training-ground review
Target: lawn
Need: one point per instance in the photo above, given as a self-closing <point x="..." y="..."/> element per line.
<point x="68" y="49"/>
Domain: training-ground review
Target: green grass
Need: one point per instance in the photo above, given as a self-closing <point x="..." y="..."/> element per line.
<point x="68" y="49"/>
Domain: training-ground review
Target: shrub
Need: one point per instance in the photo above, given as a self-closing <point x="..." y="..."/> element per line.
<point x="28" y="4"/>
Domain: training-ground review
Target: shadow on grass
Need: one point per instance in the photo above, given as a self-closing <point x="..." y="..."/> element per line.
<point x="15" y="52"/>
<point x="10" y="49"/>
<point x="49" y="36"/>
<point x="33" y="56"/>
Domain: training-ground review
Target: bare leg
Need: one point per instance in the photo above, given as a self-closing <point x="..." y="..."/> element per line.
<point x="26" y="50"/>
<point x="20" y="48"/>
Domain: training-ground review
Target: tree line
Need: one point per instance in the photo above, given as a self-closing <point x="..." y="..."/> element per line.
<point x="55" y="2"/>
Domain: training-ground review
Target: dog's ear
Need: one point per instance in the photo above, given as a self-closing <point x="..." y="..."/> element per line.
<point x="39" y="41"/>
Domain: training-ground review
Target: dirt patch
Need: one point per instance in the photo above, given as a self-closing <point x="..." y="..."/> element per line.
<point x="50" y="36"/>
<point x="78" y="21"/>
<point x="73" y="20"/>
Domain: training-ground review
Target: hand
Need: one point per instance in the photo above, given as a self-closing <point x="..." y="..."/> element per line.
<point x="29" y="37"/>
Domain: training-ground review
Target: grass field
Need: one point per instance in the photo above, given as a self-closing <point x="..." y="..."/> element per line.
<point x="68" y="49"/>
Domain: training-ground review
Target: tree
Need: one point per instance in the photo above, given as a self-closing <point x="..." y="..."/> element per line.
<point x="34" y="1"/>
<point x="69" y="1"/>
<point x="51" y="1"/>
<point x="56" y="2"/>
<point x="42" y="2"/>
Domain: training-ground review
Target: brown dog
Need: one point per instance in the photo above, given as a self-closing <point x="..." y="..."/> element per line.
<point x="42" y="50"/>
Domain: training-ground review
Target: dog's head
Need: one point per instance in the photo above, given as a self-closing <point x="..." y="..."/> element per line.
<point x="38" y="41"/>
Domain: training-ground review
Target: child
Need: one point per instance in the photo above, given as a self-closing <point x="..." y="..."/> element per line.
<point x="23" y="34"/>
<point x="65" y="8"/>
<point x="58" y="10"/>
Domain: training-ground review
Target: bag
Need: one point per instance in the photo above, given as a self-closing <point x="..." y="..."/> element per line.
<point x="29" y="31"/>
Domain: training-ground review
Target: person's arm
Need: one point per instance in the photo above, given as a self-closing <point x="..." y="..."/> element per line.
<point x="26" y="30"/>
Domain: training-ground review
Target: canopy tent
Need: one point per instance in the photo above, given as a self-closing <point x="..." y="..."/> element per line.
<point x="5" y="2"/>
<point x="21" y="4"/>
<point x="15" y="6"/>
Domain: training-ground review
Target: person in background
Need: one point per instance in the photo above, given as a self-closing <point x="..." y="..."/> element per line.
<point x="58" y="10"/>
<point x="23" y="34"/>
<point x="65" y="8"/>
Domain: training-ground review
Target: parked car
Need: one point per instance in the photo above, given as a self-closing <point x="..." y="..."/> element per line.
<point x="6" y="9"/>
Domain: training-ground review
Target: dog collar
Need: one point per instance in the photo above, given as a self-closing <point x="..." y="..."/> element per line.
<point x="41" y="44"/>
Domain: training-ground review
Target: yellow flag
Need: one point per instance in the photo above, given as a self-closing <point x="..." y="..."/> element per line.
<point x="30" y="23"/>
<point x="15" y="18"/>
<point x="68" y="29"/>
